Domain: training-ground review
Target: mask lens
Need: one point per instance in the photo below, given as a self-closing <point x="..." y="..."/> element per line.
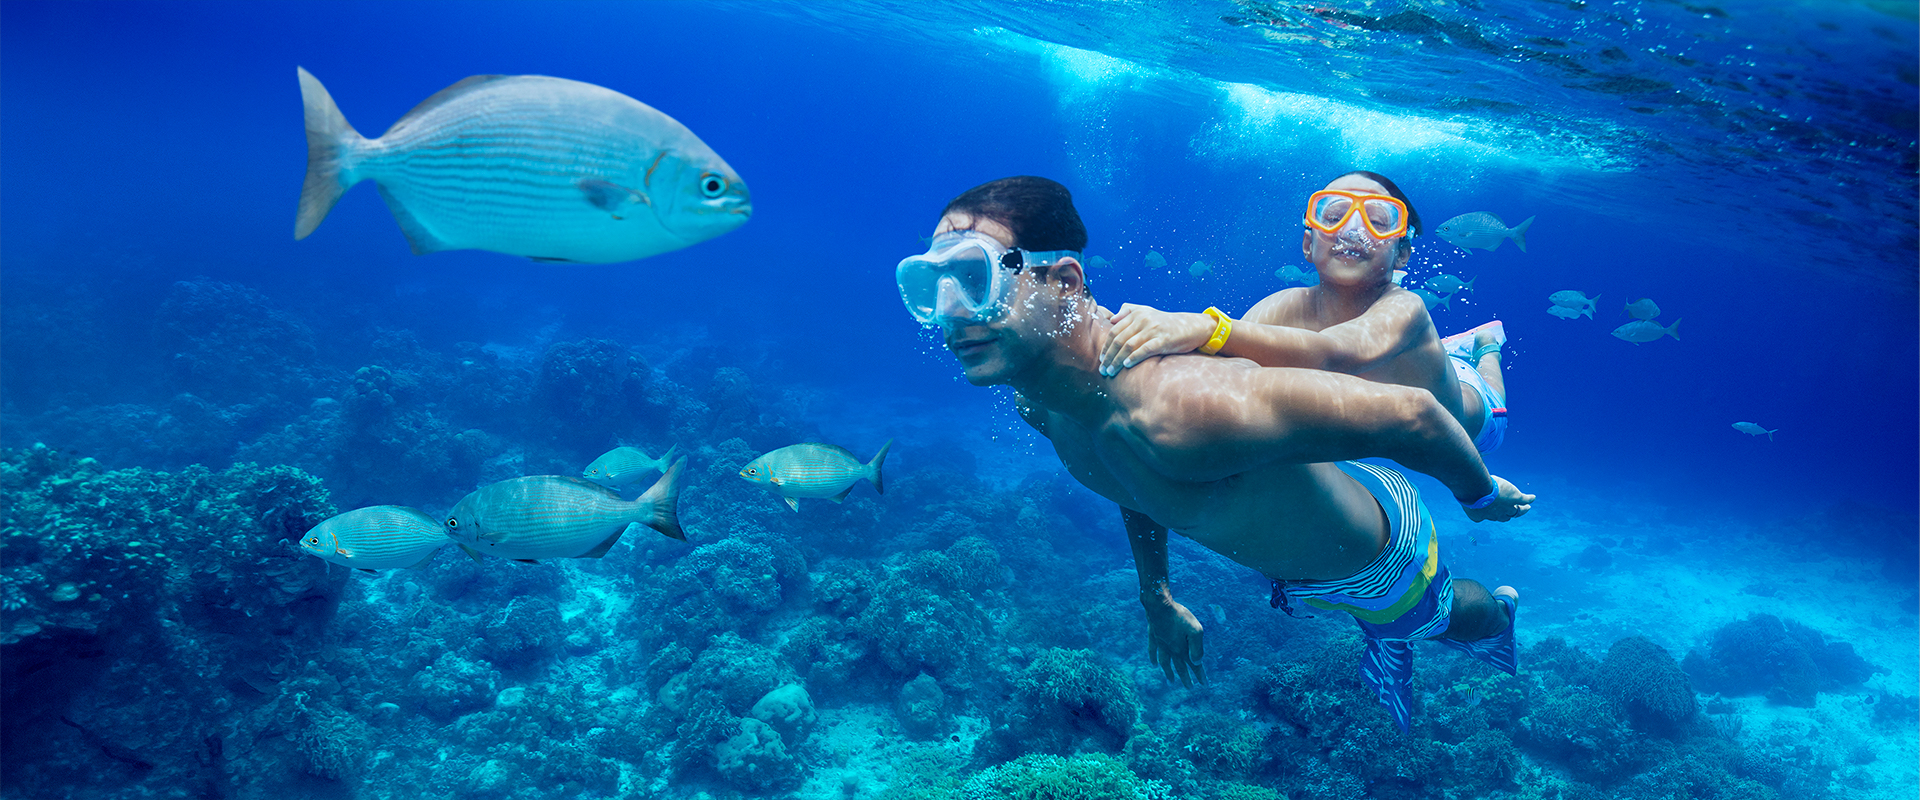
<point x="1329" y="210"/>
<point x="1384" y="217"/>
<point x="931" y="284"/>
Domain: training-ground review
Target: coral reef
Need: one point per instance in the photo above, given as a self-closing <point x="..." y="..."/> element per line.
<point x="1788" y="662"/>
<point x="1642" y="677"/>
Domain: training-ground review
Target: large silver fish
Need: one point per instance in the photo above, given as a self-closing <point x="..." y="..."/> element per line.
<point x="1646" y="330"/>
<point x="547" y="168"/>
<point x="559" y="516"/>
<point x="814" y="470"/>
<point x="1753" y="429"/>
<point x="1481" y="229"/>
<point x="377" y="537"/>
<point x="623" y="465"/>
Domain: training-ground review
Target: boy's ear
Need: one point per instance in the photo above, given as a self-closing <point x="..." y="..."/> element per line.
<point x="1071" y="275"/>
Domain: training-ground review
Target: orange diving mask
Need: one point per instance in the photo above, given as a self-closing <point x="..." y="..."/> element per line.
<point x="1329" y="210"/>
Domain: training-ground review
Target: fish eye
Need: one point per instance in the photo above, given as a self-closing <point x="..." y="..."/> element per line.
<point x="453" y="522"/>
<point x="313" y="540"/>
<point x="712" y="185"/>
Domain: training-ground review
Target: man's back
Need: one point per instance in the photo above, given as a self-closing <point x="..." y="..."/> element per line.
<point x="1290" y="521"/>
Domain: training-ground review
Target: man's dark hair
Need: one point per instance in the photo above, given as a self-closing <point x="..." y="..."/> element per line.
<point x="1413" y="217"/>
<point x="1038" y="211"/>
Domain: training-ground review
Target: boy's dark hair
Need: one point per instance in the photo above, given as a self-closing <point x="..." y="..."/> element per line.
<point x="1413" y="217"/>
<point x="1038" y="211"/>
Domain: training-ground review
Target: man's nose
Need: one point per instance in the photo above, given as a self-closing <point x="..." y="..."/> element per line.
<point x="950" y="303"/>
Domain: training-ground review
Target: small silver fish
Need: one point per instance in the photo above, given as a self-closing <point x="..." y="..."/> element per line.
<point x="377" y="537"/>
<point x="1155" y="260"/>
<point x="623" y="465"/>
<point x="1199" y="268"/>
<point x="1298" y="276"/>
<point x="1646" y="330"/>
<point x="547" y="168"/>
<point x="814" y="470"/>
<point x="1481" y="229"/>
<point x="1569" y="298"/>
<point x="1432" y="299"/>
<point x="1752" y="429"/>
<point x="1563" y="312"/>
<point x="1643" y="308"/>
<point x="1448" y="284"/>
<point x="1096" y="262"/>
<point x="559" y="516"/>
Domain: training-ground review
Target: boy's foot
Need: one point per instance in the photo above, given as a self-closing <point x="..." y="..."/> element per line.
<point x="1499" y="650"/>
<point x="1465" y="344"/>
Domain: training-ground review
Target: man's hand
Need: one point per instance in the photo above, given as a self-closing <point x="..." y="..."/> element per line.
<point x="1173" y="640"/>
<point x="1510" y="503"/>
<point x="1140" y="332"/>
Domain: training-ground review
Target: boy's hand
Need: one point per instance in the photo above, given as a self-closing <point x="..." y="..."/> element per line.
<point x="1173" y="640"/>
<point x="1140" y="332"/>
<point x="1510" y="503"/>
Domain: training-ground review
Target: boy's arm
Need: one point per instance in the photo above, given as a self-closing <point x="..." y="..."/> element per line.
<point x="1387" y="329"/>
<point x="1204" y="419"/>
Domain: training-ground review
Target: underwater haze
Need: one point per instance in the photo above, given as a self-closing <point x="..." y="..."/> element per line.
<point x="186" y="391"/>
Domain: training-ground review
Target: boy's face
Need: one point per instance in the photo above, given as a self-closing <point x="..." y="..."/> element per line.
<point x="1353" y="257"/>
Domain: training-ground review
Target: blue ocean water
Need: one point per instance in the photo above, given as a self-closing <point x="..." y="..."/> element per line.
<point x="1752" y="167"/>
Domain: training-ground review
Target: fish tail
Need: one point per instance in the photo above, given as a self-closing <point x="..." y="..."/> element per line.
<point x="1519" y="234"/>
<point x="1771" y="433"/>
<point x="1674" y="330"/>
<point x="329" y="140"/>
<point x="664" y="497"/>
<point x="666" y="458"/>
<point x="873" y="467"/>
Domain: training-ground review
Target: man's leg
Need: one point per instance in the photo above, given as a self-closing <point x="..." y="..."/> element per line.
<point x="1476" y="615"/>
<point x="1482" y="625"/>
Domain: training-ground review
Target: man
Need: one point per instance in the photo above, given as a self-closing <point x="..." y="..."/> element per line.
<point x="1359" y="231"/>
<point x="1235" y="456"/>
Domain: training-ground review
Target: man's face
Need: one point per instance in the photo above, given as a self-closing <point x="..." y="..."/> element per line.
<point x="993" y="351"/>
<point x="1353" y="257"/>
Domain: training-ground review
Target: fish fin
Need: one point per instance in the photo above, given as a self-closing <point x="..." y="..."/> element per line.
<point x="1771" y="433"/>
<point x="1674" y="330"/>
<point x="873" y="468"/>
<point x="329" y="140"/>
<point x="1469" y="286"/>
<point x="459" y="87"/>
<point x="525" y="561"/>
<point x="1519" y="234"/>
<point x="364" y="569"/>
<point x="472" y="552"/>
<point x="422" y="563"/>
<point x="666" y="458"/>
<point x="609" y="196"/>
<point x="602" y="548"/>
<point x="777" y="480"/>
<point x="665" y="497"/>
<point x="792" y="503"/>
<point x="1447" y="302"/>
<point x="842" y="496"/>
<point x="551" y="260"/>
<point x="418" y="237"/>
<point x="494" y="537"/>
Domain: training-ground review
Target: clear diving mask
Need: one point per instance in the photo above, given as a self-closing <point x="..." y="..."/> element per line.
<point x="965" y="273"/>
<point x="1329" y="210"/>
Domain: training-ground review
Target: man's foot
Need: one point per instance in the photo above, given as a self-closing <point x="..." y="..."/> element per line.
<point x="1510" y="598"/>
<point x="1464" y="344"/>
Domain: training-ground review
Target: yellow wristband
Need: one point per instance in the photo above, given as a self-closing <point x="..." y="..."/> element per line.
<point x="1222" y="328"/>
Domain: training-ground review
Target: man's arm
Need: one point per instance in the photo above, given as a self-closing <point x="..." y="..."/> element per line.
<point x="1173" y="634"/>
<point x="1203" y="419"/>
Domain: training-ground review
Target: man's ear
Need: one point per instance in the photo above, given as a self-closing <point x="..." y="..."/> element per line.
<point x="1070" y="274"/>
<point x="1405" y="254"/>
<point x="1306" y="244"/>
